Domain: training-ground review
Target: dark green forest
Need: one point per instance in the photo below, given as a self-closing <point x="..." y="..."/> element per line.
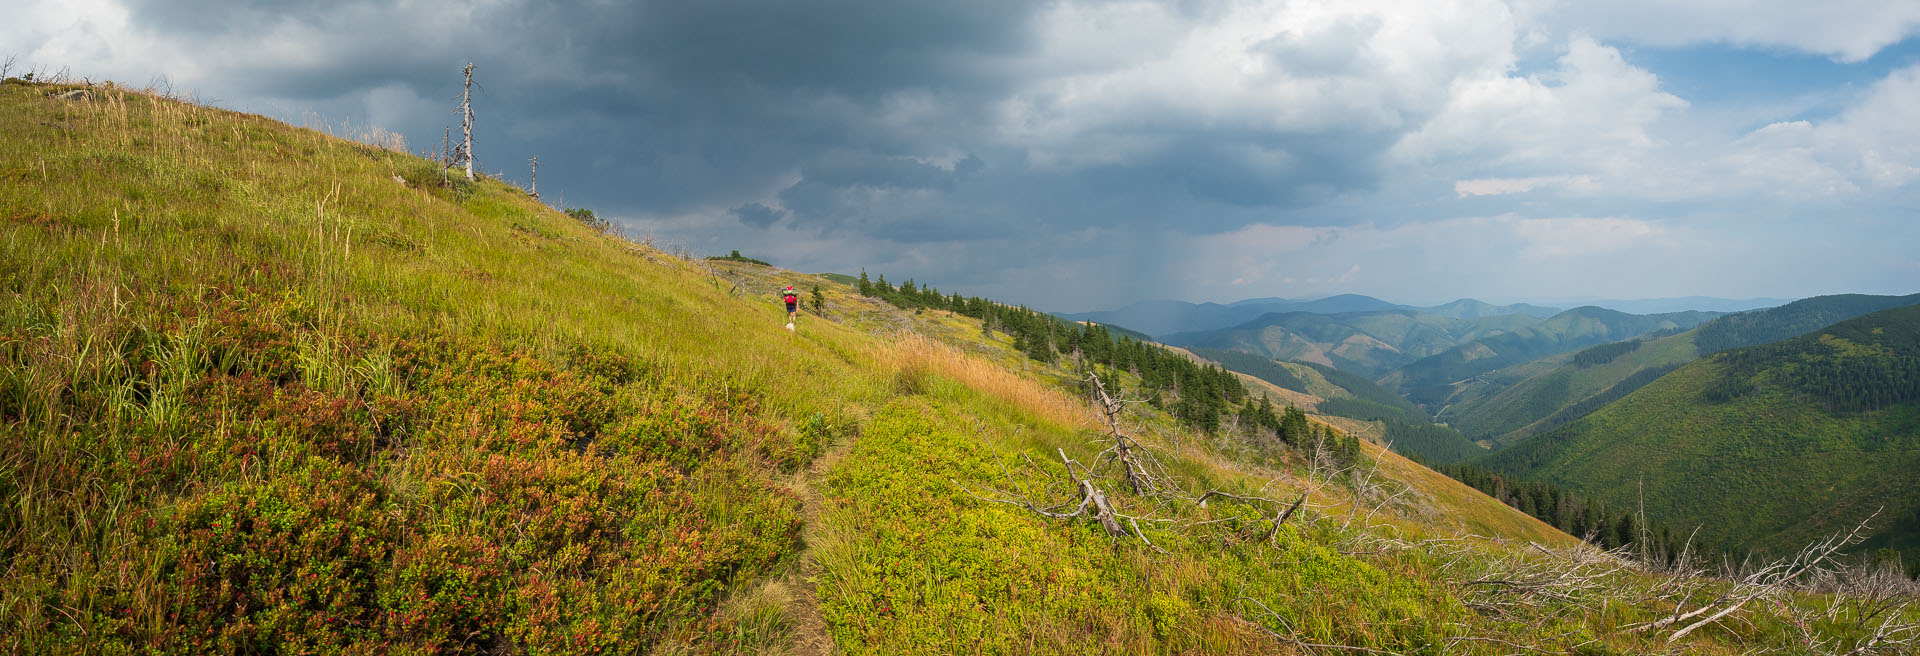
<point x="1790" y="320"/>
<point x="1863" y="365"/>
<point x="1604" y="353"/>
<point x="1256" y="366"/>
<point x="1587" y="519"/>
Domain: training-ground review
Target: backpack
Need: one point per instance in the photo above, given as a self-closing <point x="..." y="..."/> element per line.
<point x="789" y="295"/>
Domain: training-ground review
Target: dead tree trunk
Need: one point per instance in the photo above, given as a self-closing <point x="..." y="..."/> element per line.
<point x="466" y="121"/>
<point x="534" y="183"/>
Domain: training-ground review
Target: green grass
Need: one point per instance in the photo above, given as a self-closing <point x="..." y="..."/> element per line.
<point x="258" y="393"/>
<point x="264" y="390"/>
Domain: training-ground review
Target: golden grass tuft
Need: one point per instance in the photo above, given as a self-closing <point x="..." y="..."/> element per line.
<point x="914" y="356"/>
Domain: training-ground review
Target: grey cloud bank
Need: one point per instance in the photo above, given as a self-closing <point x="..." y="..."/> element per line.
<point x="1076" y="155"/>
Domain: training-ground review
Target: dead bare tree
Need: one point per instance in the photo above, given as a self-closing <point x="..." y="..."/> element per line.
<point x="466" y="122"/>
<point x="1138" y="468"/>
<point x="533" y="183"/>
<point x="1280" y="517"/>
<point x="1874" y="599"/>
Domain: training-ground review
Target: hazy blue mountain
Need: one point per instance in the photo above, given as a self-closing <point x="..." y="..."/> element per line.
<point x="1163" y="317"/>
<point x="1468" y="308"/>
<point x="1679" y="304"/>
<point x="1367" y="343"/>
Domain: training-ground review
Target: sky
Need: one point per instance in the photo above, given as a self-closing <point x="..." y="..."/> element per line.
<point x="1083" y="154"/>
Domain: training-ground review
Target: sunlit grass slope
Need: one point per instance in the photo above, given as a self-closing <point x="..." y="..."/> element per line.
<point x="266" y="391"/>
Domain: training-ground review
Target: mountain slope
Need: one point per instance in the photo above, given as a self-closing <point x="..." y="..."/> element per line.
<point x="1432" y="381"/>
<point x="1163" y="318"/>
<point x="1514" y="403"/>
<point x="1370" y="343"/>
<point x="1762" y="447"/>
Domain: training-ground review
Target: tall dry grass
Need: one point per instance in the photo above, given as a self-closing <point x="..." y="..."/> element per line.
<point x="915" y="356"/>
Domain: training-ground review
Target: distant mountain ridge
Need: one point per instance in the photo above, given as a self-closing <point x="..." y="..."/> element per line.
<point x="1676" y="304"/>
<point x="1164" y="317"/>
<point x="1161" y="318"/>
<point x="1433" y="380"/>
<point x="1367" y="343"/>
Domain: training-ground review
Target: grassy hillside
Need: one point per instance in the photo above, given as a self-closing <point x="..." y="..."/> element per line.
<point x="267" y="391"/>
<point x="1432" y="381"/>
<point x="1762" y="447"/>
<point x="1514" y="403"/>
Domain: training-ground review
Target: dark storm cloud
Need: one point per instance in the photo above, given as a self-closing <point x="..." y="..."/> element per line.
<point x="757" y="215"/>
<point x="1081" y="152"/>
<point x="652" y="107"/>
<point x="667" y="107"/>
<point x="858" y="121"/>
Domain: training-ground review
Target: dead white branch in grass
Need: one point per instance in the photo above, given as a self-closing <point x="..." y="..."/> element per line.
<point x="1508" y="582"/>
<point x="1139" y="468"/>
<point x="1771" y="580"/>
<point x="1088" y="497"/>
<point x="1282" y="511"/>
<point x="1287" y="636"/>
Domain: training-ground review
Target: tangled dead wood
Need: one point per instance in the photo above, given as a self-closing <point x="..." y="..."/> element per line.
<point x="1136" y="465"/>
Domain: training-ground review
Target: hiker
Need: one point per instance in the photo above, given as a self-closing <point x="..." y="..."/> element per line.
<point x="793" y="302"/>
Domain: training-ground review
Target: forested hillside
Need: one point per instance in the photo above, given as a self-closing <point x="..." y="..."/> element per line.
<point x="1760" y="447"/>
<point x="1559" y="389"/>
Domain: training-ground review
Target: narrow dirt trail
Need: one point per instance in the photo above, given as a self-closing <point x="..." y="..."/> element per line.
<point x="810" y="626"/>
